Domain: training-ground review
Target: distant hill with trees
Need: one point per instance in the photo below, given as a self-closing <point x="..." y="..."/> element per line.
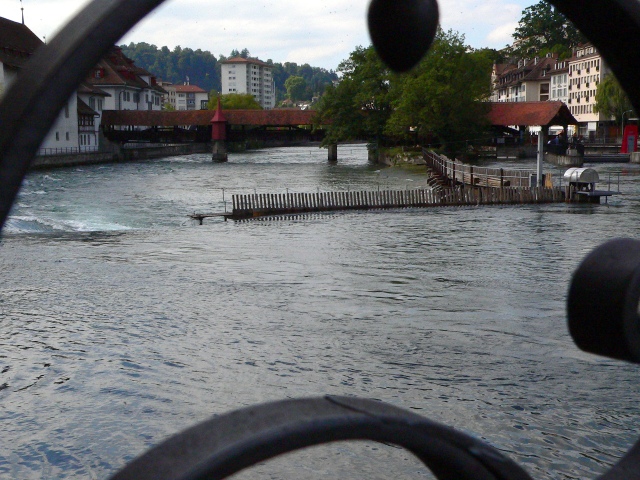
<point x="202" y="68"/>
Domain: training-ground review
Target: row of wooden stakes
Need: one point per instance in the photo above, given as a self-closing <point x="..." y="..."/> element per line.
<point x="256" y="205"/>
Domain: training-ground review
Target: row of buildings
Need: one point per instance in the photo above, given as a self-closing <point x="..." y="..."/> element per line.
<point x="573" y="81"/>
<point x="239" y="75"/>
<point x="116" y="83"/>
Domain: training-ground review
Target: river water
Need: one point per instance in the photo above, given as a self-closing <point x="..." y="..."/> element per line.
<point x="122" y="321"/>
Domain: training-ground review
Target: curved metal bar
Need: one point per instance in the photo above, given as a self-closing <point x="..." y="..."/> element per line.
<point x="613" y="26"/>
<point x="31" y="105"/>
<point x="626" y="469"/>
<point x="225" y="445"/>
<point x="602" y="306"/>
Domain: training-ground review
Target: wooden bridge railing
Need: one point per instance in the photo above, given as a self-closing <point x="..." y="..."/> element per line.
<point x="458" y="172"/>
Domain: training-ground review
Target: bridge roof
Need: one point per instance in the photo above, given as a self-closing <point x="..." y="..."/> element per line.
<point x="155" y="118"/>
<point x="531" y="114"/>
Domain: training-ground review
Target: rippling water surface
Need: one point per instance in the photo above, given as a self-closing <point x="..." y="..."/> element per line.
<point x="123" y="322"/>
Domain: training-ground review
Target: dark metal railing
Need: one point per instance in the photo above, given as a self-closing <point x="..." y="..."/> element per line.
<point x="45" y="152"/>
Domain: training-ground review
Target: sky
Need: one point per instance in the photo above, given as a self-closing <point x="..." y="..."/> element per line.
<point x="321" y="33"/>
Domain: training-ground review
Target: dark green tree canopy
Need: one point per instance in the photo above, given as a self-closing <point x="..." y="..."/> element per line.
<point x="201" y="67"/>
<point x="611" y="100"/>
<point x="296" y="87"/>
<point x="542" y="29"/>
<point x="233" y="101"/>
<point x="359" y="106"/>
<point x="445" y="95"/>
<point x="442" y="98"/>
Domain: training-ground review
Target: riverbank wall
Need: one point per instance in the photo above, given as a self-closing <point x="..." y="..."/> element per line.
<point x="117" y="154"/>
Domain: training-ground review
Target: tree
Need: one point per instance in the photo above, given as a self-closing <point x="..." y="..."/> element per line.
<point x="542" y="29"/>
<point x="444" y="96"/>
<point x="176" y="65"/>
<point x="296" y="87"/>
<point x="611" y="100"/>
<point x="359" y="106"/>
<point x="168" y="107"/>
<point x="234" y="101"/>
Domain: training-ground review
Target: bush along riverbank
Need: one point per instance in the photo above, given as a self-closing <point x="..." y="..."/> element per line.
<point x="396" y="156"/>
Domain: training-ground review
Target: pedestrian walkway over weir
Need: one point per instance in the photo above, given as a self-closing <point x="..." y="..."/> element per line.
<point x="452" y="172"/>
<point x="467" y="186"/>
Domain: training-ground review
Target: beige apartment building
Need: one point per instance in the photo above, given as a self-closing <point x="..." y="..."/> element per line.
<point x="252" y="76"/>
<point x="573" y="81"/>
<point x="586" y="70"/>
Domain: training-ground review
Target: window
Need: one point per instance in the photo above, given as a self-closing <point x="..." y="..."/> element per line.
<point x="136" y="97"/>
<point x="544" y="92"/>
<point x="67" y="136"/>
<point x="57" y="136"/>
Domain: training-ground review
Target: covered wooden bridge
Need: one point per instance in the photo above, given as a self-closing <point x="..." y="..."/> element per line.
<point x="196" y="125"/>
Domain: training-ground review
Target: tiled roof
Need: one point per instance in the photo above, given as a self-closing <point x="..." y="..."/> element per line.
<point x="186" y="88"/>
<point x="531" y="114"/>
<point x="274" y="118"/>
<point x="17" y="43"/>
<point x="253" y="61"/>
<point x="540" y="69"/>
<point x="118" y="70"/>
<point x="91" y="90"/>
<point x="86" y="110"/>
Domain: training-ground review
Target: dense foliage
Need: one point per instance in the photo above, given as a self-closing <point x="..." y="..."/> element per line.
<point x="445" y="95"/>
<point x="542" y="29"/>
<point x="202" y="68"/>
<point x="359" y="106"/>
<point x="177" y="65"/>
<point x="442" y="99"/>
<point x="233" y="101"/>
<point x="296" y="88"/>
<point x="611" y="100"/>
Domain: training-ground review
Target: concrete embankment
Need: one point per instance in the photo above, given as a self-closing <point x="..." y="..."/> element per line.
<point x="118" y="154"/>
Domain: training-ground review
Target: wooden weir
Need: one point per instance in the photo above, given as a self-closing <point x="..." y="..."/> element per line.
<point x="469" y="186"/>
<point x="258" y="205"/>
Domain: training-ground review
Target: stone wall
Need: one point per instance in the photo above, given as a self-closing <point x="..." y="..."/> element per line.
<point x="118" y="154"/>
